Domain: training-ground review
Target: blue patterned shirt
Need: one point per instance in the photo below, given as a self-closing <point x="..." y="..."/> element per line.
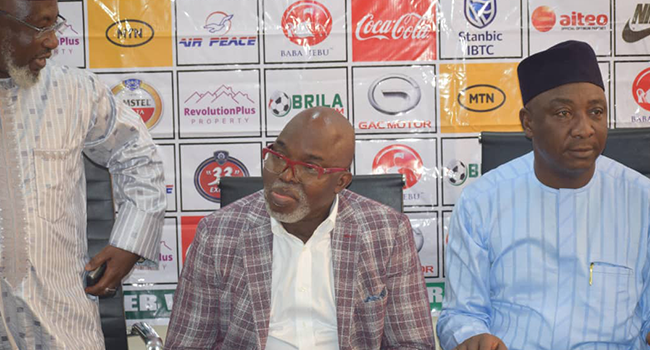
<point x="545" y="268"/>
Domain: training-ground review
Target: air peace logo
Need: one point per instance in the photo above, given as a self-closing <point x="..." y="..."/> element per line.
<point x="480" y="13"/>
<point x="142" y="98"/>
<point x="399" y="159"/>
<point x="481" y="98"/>
<point x="641" y="89"/>
<point x="211" y="170"/>
<point x="307" y="23"/>
<point x="129" y="33"/>
<point x="217" y="25"/>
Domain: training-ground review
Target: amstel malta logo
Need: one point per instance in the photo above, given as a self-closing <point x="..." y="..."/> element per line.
<point x="129" y="33"/>
<point x="142" y="98"/>
<point x="641" y="89"/>
<point x="307" y="23"/>
<point x="399" y="159"/>
<point x="211" y="170"/>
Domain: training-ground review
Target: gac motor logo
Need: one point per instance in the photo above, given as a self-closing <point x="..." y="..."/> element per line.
<point x="636" y="28"/>
<point x="217" y="25"/>
<point x="211" y="170"/>
<point x="410" y="26"/>
<point x="544" y="19"/>
<point x="481" y="98"/>
<point x="307" y="23"/>
<point x="399" y="159"/>
<point x="142" y="98"/>
<point x="129" y="33"/>
<point x="641" y="89"/>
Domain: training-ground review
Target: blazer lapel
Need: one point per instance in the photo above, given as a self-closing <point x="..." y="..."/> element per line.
<point x="257" y="248"/>
<point x="345" y="254"/>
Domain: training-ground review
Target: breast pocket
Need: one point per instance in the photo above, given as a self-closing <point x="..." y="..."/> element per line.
<point x="54" y="182"/>
<point x="609" y="298"/>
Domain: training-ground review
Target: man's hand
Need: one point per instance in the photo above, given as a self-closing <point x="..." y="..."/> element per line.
<point x="482" y="342"/>
<point x="119" y="263"/>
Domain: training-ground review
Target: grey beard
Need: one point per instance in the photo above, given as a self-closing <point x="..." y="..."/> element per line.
<point x="22" y="76"/>
<point x="296" y="215"/>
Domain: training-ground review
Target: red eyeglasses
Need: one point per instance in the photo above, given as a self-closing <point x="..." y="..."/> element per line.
<point x="276" y="163"/>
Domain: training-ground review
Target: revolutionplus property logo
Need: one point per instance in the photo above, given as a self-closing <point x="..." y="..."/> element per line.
<point x="387" y="33"/>
<point x="210" y="171"/>
<point x="142" y="98"/>
<point x="217" y="25"/>
<point x="399" y="159"/>
<point x="224" y="105"/>
<point x="638" y="26"/>
<point x="544" y="19"/>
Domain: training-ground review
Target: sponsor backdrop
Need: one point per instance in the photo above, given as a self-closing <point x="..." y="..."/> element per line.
<point x="216" y="80"/>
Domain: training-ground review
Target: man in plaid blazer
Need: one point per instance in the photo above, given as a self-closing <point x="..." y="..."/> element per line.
<point x="242" y="288"/>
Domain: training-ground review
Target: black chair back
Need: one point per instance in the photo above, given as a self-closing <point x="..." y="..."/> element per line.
<point x="630" y="147"/>
<point x="386" y="188"/>
<point x="101" y="217"/>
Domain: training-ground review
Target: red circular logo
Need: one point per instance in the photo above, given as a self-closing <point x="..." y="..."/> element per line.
<point x="399" y="159"/>
<point x="307" y="23"/>
<point x="543" y="18"/>
<point x="641" y="89"/>
<point x="210" y="172"/>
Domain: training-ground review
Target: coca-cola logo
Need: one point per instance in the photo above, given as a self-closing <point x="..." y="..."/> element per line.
<point x="307" y="23"/>
<point x="410" y="26"/>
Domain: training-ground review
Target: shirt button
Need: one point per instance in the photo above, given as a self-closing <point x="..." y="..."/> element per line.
<point x="302" y="289"/>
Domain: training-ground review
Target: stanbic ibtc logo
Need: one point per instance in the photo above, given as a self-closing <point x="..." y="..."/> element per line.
<point x="480" y="13"/>
<point x="457" y="172"/>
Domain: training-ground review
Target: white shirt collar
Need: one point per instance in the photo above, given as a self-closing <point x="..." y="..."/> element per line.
<point x="325" y="227"/>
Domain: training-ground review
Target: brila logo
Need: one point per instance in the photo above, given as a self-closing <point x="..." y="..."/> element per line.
<point x="399" y="159"/>
<point x="544" y="19"/>
<point x="480" y="13"/>
<point x="129" y="33"/>
<point x="217" y="25"/>
<point x="142" y="98"/>
<point x="280" y="103"/>
<point x="631" y="32"/>
<point x="457" y="172"/>
<point x="211" y="170"/>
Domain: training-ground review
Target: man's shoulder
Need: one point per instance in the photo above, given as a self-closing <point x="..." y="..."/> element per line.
<point x="502" y="175"/>
<point x="614" y="171"/>
<point x="366" y="211"/>
<point x="58" y="72"/>
<point x="242" y="214"/>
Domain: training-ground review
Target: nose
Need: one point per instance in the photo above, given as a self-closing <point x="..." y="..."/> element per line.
<point x="50" y="41"/>
<point x="583" y="127"/>
<point x="289" y="175"/>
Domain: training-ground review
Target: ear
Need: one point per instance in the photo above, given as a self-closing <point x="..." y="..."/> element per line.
<point x="526" y="122"/>
<point x="343" y="181"/>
